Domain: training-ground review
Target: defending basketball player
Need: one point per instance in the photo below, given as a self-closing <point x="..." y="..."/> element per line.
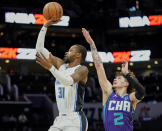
<point x="118" y="99"/>
<point x="71" y="77"/>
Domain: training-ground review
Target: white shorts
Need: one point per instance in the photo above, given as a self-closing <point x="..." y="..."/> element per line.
<point x="75" y="121"/>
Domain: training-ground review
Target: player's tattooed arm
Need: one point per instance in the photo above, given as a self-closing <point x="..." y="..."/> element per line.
<point x="106" y="86"/>
<point x="80" y="74"/>
<point x="96" y="58"/>
<point x="104" y="83"/>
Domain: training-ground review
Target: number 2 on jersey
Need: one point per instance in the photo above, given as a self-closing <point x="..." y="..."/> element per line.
<point x="117" y="119"/>
<point x="61" y="92"/>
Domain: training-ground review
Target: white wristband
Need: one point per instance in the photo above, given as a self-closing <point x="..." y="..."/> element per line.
<point x="65" y="80"/>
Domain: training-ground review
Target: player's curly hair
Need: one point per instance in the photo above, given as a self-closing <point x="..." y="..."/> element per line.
<point x="130" y="89"/>
<point x="83" y="51"/>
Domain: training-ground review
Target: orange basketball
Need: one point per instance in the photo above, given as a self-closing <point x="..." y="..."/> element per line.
<point x="53" y="10"/>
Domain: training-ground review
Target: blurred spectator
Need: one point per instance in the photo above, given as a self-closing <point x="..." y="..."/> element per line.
<point x="1" y="91"/>
<point x="14" y="93"/>
<point x="23" y="122"/>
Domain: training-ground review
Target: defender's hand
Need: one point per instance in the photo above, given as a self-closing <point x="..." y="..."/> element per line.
<point x="49" y="23"/>
<point x="87" y="36"/>
<point x="125" y="67"/>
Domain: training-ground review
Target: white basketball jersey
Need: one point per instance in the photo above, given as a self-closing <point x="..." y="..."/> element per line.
<point x="69" y="98"/>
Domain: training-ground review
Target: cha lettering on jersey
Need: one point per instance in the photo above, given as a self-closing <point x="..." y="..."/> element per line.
<point x="119" y="106"/>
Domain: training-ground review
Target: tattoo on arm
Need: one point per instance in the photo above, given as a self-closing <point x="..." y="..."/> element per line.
<point x="96" y="58"/>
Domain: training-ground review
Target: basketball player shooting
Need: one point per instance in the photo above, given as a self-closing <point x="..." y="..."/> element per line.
<point x="71" y="77"/>
<point x="120" y="98"/>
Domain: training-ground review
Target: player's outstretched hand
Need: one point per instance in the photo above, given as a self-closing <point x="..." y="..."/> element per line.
<point x="87" y="36"/>
<point x="124" y="67"/>
<point x="49" y="23"/>
<point x="45" y="63"/>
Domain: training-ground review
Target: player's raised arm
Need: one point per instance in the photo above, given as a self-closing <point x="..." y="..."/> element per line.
<point x="138" y="95"/>
<point x="103" y="81"/>
<point x="57" y="62"/>
<point x="40" y="42"/>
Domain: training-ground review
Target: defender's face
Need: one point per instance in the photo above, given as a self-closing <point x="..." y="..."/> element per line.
<point x="119" y="81"/>
<point x="70" y="55"/>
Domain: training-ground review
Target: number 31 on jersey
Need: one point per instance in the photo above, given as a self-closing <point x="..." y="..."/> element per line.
<point x="61" y="92"/>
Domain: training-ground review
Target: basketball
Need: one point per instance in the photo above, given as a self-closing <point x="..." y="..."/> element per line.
<point x="53" y="11"/>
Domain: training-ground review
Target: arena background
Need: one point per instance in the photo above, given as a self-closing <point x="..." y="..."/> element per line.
<point x="122" y="29"/>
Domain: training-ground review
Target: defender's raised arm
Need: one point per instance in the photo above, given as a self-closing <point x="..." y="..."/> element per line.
<point x="104" y="83"/>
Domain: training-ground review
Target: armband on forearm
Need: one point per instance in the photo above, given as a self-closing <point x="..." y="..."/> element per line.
<point x="140" y="90"/>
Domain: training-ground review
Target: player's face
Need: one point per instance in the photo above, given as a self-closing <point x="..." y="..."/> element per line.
<point x="70" y="55"/>
<point x="119" y="81"/>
